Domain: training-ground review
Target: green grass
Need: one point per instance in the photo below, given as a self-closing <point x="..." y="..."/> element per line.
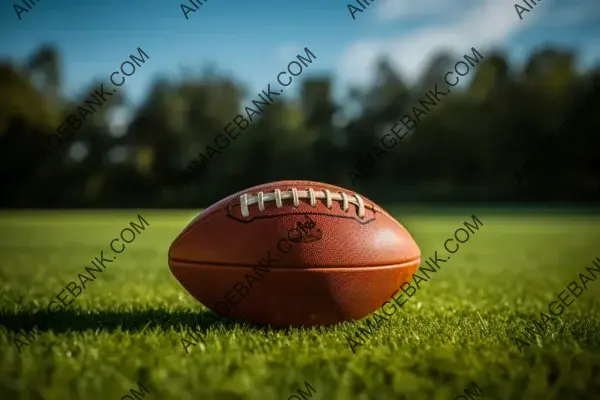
<point x="127" y="325"/>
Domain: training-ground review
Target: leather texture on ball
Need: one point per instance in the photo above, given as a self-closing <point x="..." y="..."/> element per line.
<point x="293" y="253"/>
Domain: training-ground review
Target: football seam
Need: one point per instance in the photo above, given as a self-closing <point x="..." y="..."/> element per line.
<point x="360" y="221"/>
<point x="295" y="268"/>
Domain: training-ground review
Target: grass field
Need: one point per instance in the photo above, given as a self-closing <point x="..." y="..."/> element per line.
<point x="126" y="326"/>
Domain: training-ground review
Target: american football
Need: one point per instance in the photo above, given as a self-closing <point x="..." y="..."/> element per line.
<point x="267" y="200"/>
<point x="293" y="253"/>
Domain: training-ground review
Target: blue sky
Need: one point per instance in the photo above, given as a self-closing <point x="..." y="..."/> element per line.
<point x="254" y="40"/>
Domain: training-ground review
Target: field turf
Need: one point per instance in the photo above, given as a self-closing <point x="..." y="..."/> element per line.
<point x="127" y="325"/>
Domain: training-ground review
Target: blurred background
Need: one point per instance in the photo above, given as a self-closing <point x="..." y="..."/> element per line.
<point x="537" y="71"/>
<point x="497" y="141"/>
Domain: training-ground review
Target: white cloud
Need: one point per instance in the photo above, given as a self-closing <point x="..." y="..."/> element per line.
<point x="487" y="23"/>
<point x="402" y="9"/>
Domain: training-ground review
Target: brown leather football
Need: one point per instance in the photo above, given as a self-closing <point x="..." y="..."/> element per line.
<point x="294" y="253"/>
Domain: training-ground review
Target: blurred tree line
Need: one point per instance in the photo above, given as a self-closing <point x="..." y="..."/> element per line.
<point x="468" y="149"/>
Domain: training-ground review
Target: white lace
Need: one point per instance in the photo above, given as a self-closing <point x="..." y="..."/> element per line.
<point x="295" y="194"/>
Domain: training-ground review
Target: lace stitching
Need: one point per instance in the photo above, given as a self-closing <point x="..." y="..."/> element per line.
<point x="295" y="194"/>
